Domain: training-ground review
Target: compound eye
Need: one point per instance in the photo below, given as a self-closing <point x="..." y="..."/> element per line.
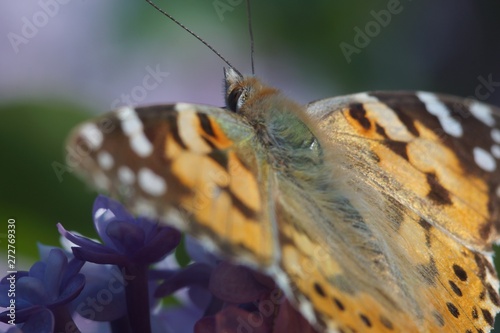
<point x="235" y="99"/>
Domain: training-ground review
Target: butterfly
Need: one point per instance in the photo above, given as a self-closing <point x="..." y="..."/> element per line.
<point x="373" y="212"/>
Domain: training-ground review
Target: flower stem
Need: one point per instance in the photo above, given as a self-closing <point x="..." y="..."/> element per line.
<point x="137" y="296"/>
<point x="63" y="322"/>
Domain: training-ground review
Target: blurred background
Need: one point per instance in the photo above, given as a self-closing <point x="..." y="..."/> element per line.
<point x="62" y="61"/>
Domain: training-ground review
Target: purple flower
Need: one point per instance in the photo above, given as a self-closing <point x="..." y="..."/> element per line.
<point x="249" y="302"/>
<point x="127" y="240"/>
<point x="43" y="294"/>
<point x="121" y="288"/>
<point x="234" y="298"/>
<point x="132" y="244"/>
<point x="102" y="298"/>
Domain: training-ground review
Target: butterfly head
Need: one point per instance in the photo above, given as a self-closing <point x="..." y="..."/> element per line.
<point x="235" y="91"/>
<point x="270" y="113"/>
<point x="245" y="93"/>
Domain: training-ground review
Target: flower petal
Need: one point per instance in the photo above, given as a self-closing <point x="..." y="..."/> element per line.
<point x="200" y="296"/>
<point x="206" y="325"/>
<point x="31" y="290"/>
<point x="194" y="274"/>
<point x="99" y="257"/>
<point x="106" y="283"/>
<point x="42" y="322"/>
<point x="125" y="237"/>
<point x="176" y="320"/>
<point x="72" y="290"/>
<point x="55" y="269"/>
<point x="164" y="241"/>
<point x="235" y="284"/>
<point x="198" y="253"/>
<point x="106" y="209"/>
<point x="290" y="320"/>
<point x="83" y="241"/>
<point x="74" y="266"/>
<point x="235" y="320"/>
<point x="119" y="212"/>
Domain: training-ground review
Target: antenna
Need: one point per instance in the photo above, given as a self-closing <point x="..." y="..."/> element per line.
<point x="250" y="31"/>
<point x="195" y="35"/>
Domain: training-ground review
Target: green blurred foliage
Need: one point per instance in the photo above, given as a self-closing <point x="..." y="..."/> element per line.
<point x="32" y="136"/>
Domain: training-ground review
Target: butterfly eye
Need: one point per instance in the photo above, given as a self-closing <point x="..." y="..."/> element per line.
<point x="235" y="99"/>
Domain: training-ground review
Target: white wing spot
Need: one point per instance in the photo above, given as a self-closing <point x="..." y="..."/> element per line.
<point x="129" y="120"/>
<point x="495" y="135"/>
<point x="281" y="279"/>
<point x="175" y="219"/>
<point x="208" y="244"/>
<point x="495" y="150"/>
<point x="484" y="159"/>
<point x="151" y="183"/>
<point x="365" y="98"/>
<point x="435" y="107"/>
<point x="482" y="112"/>
<point x="101" y="181"/>
<point x="141" y="145"/>
<point x="323" y="107"/>
<point x="126" y="175"/>
<point x="145" y="208"/>
<point x="132" y="127"/>
<point x="92" y="135"/>
<point x="307" y="310"/>
<point x="105" y="160"/>
<point x="181" y="107"/>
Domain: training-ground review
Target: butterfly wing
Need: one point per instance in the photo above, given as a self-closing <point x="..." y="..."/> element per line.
<point x="407" y="232"/>
<point x="392" y="231"/>
<point x="194" y="166"/>
<point x="440" y="156"/>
